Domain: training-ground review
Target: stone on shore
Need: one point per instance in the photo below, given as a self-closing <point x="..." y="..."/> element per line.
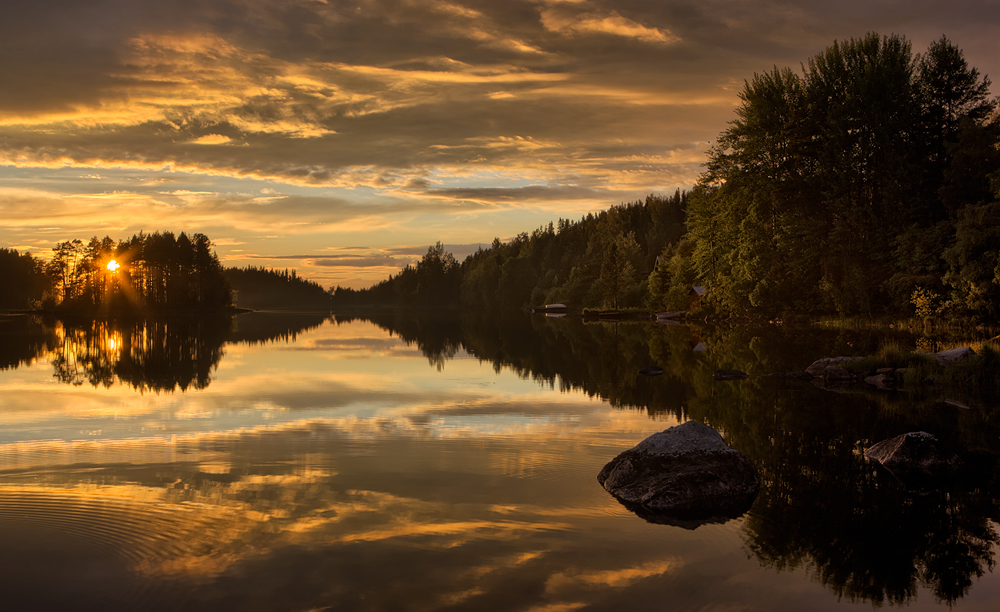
<point x="955" y="355"/>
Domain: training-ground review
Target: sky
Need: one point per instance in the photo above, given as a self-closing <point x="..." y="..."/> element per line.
<point x="341" y="139"/>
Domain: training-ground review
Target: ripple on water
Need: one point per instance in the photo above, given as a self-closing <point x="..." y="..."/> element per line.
<point x="98" y="549"/>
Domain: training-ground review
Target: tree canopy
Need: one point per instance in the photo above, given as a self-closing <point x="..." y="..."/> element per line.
<point x="848" y="187"/>
<point x="144" y="273"/>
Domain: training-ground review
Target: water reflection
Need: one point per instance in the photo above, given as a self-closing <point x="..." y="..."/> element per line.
<point x="25" y="339"/>
<point x="822" y="505"/>
<point x="143" y="354"/>
<point x="314" y="465"/>
<point x="312" y="515"/>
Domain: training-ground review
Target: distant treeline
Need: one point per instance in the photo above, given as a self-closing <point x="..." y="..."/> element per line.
<point x="867" y="185"/>
<point x="147" y="273"/>
<point x="260" y="288"/>
<point x="24" y="280"/>
<point x="602" y="259"/>
<point x="144" y="273"/>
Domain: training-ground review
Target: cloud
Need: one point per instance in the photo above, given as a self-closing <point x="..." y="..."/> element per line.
<point x="520" y="195"/>
<point x="613" y="24"/>
<point x="212" y="139"/>
<point x="348" y="261"/>
<point x="332" y="120"/>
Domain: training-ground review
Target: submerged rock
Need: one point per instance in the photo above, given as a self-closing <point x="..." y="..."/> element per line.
<point x="914" y="454"/>
<point x="803" y="376"/>
<point x="882" y="381"/>
<point x="730" y="375"/>
<point x="685" y="475"/>
<point x="817" y="368"/>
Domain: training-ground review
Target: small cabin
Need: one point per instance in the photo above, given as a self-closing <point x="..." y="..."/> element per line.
<point x="696" y="294"/>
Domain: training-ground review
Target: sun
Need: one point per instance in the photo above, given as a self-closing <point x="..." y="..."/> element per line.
<point x="113" y="265"/>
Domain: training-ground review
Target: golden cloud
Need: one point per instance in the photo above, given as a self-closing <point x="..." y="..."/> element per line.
<point x="612" y="24"/>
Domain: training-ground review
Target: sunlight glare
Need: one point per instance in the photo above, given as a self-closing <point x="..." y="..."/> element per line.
<point x="113" y="265"/>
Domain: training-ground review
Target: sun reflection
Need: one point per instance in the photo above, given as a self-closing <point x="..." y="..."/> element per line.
<point x="113" y="265"/>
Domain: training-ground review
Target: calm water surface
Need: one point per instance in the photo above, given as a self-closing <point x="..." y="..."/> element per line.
<point x="280" y="462"/>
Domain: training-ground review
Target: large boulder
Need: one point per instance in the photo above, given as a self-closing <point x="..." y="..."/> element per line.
<point x="685" y="475"/>
<point x="914" y="455"/>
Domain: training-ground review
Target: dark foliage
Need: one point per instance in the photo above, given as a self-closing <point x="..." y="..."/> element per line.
<point x="263" y="289"/>
<point x="24" y="280"/>
<point x="854" y="186"/>
<point x="602" y="260"/>
<point x="145" y="273"/>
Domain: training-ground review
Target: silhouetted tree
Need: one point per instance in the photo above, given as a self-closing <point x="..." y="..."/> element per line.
<point x="24" y="280"/>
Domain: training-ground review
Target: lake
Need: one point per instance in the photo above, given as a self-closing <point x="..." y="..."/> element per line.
<point x="391" y="462"/>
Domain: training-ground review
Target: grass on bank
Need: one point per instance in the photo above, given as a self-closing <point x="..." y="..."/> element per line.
<point x="978" y="376"/>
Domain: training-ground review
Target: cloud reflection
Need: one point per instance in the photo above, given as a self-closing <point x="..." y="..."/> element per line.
<point x="290" y="493"/>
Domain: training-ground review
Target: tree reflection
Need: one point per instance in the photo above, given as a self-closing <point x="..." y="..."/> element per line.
<point x="178" y="353"/>
<point x="25" y="339"/>
<point x="147" y="355"/>
<point x="262" y="327"/>
<point x="822" y="506"/>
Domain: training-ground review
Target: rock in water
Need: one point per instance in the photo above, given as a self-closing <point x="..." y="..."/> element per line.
<point x="684" y="475"/>
<point x="818" y="366"/>
<point x="914" y="454"/>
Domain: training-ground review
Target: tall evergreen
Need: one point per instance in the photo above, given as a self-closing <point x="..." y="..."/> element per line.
<point x="144" y="273"/>
<point x="841" y="188"/>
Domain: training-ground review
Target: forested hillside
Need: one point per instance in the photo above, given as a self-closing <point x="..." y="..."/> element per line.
<point x="602" y="259"/>
<point x="263" y="289"/>
<point x="866" y="185"/>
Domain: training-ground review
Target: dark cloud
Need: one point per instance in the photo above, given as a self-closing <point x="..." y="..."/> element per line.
<point x="303" y="90"/>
